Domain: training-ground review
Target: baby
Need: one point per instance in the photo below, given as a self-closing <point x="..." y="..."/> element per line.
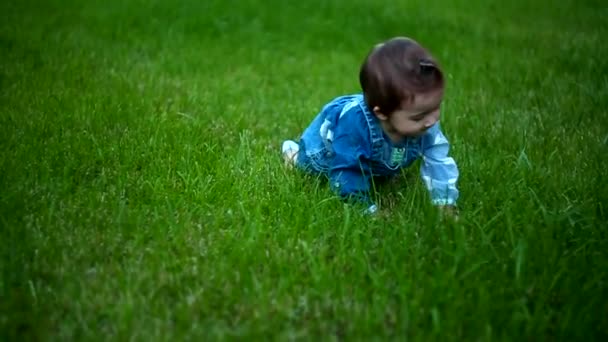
<point x="391" y="124"/>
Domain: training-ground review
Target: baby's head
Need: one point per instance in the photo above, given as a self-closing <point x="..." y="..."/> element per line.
<point x="403" y="85"/>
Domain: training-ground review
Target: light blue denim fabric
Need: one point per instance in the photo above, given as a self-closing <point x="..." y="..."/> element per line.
<point x="346" y="142"/>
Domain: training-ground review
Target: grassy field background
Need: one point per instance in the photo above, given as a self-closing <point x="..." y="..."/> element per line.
<point x="143" y="195"/>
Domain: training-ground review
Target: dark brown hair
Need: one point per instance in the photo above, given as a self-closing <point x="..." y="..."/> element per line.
<point x="395" y="71"/>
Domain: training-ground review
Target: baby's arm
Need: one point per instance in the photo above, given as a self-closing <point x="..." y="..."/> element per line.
<point x="438" y="170"/>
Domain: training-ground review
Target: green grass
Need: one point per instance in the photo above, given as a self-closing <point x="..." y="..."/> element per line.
<point x="143" y="196"/>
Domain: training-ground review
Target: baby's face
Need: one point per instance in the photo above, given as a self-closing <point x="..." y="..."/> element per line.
<point x="414" y="119"/>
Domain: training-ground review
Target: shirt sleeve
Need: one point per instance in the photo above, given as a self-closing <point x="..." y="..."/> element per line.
<point x="438" y="170"/>
<point x="350" y="172"/>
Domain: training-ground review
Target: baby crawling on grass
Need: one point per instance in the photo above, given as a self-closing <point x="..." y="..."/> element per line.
<point x="392" y="123"/>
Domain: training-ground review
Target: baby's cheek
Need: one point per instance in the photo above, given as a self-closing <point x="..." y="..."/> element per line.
<point x="411" y="128"/>
<point x="437" y="116"/>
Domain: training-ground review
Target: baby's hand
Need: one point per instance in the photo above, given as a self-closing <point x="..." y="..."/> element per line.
<point x="371" y="210"/>
<point x="449" y="211"/>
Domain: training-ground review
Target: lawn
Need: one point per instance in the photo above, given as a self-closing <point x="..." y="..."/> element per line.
<point x="143" y="195"/>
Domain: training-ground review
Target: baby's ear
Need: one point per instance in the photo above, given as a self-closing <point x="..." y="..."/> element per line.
<point x="379" y="114"/>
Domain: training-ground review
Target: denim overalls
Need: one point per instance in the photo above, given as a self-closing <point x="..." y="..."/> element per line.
<point x="346" y="142"/>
